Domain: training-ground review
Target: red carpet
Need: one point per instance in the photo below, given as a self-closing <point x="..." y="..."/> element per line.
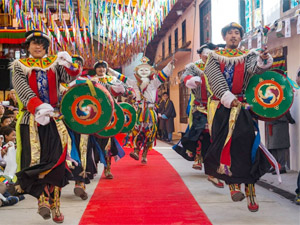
<point x="143" y="194"/>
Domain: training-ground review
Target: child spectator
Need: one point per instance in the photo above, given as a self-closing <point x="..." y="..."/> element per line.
<point x="2" y="110"/>
<point x="5" y="121"/>
<point x="9" y="134"/>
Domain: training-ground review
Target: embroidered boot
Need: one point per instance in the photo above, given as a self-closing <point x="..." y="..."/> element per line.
<point x="57" y="216"/>
<point x="215" y="181"/>
<point x="236" y="193"/>
<point x="198" y="158"/>
<point x="79" y="190"/>
<point x="135" y="154"/>
<point x="44" y="206"/>
<point x="251" y="197"/>
<point x="107" y="172"/>
<point x="198" y="162"/>
<point x="144" y="156"/>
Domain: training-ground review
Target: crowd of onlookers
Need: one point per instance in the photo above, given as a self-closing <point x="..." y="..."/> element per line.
<point x="8" y="166"/>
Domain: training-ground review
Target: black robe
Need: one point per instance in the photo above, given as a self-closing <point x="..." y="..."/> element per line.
<point x="169" y="111"/>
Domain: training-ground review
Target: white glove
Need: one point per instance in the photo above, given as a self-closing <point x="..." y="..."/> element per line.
<point x="64" y="59"/>
<point x="227" y="99"/>
<point x="261" y="63"/>
<point x="169" y="69"/>
<point x="43" y="113"/>
<point x="113" y="72"/>
<point x="118" y="88"/>
<point x="191" y="83"/>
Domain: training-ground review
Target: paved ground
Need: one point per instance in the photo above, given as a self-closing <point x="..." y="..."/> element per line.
<point x="216" y="203"/>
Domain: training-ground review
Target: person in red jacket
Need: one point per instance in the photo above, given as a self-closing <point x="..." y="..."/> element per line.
<point x="42" y="146"/>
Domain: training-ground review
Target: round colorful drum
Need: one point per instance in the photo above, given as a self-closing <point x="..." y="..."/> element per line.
<point x="86" y="111"/>
<point x="270" y="95"/>
<point x="130" y="116"/>
<point x="116" y="124"/>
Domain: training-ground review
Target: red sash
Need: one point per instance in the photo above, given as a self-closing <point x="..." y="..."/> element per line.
<point x="51" y="86"/>
<point x="238" y="77"/>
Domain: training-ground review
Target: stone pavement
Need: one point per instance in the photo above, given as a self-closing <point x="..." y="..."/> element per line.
<point x="216" y="203"/>
<point x="269" y="181"/>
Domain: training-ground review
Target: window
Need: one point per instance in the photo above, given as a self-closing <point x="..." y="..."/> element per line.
<point x="257" y="4"/>
<point x="170" y="45"/>
<point x="289" y="4"/>
<point x="253" y="14"/>
<point x="176" y="39"/>
<point x="183" y="28"/>
<point x="184" y="96"/>
<point x="205" y="22"/>
<point x="242" y="13"/>
<point x="163" y="50"/>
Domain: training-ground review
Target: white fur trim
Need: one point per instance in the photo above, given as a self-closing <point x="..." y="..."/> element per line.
<point x="260" y="62"/>
<point x="227" y="98"/>
<point x="191" y="83"/>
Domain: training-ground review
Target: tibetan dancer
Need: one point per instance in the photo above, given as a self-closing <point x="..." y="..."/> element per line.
<point x="109" y="145"/>
<point x="232" y="128"/>
<point x="42" y="139"/>
<point x="145" y="88"/>
<point x="78" y="151"/>
<point x="196" y="140"/>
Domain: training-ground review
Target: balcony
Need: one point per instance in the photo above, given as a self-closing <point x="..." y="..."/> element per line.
<point x="6" y="20"/>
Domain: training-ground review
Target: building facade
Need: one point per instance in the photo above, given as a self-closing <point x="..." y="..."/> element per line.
<point x="201" y="22"/>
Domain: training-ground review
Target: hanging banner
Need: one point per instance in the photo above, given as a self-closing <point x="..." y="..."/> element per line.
<point x="298" y="25"/>
<point x="249" y="43"/>
<point x="279" y="26"/>
<point x="259" y="40"/>
<point x="287" y="27"/>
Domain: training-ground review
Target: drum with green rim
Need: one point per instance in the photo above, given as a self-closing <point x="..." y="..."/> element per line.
<point x="87" y="109"/>
<point x="130" y="116"/>
<point x="116" y="124"/>
<point x="270" y="95"/>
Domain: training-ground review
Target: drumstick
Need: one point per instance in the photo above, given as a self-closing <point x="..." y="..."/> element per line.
<point x="264" y="30"/>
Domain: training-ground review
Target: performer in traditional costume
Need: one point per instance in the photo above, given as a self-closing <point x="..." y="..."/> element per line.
<point x="41" y="139"/>
<point x="148" y="81"/>
<point x="116" y="88"/>
<point x="196" y="140"/>
<point x="232" y="127"/>
<point x="78" y="150"/>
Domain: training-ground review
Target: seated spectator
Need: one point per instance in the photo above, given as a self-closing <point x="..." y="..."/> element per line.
<point x="12" y="98"/>
<point x="8" y="168"/>
<point x="5" y="197"/>
<point x="2" y="110"/>
<point x="12" y="117"/>
<point x="9" y="134"/>
<point x="5" y="121"/>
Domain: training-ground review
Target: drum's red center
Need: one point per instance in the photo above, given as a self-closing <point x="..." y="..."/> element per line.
<point x="268" y="94"/>
<point x="86" y="110"/>
<point x="128" y="117"/>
